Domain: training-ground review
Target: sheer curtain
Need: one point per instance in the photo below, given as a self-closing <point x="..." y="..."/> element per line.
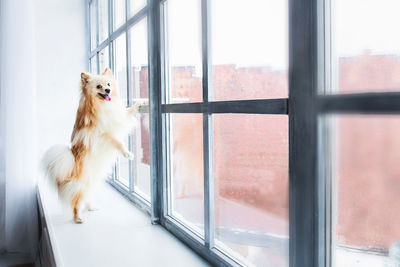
<point x="18" y="157"/>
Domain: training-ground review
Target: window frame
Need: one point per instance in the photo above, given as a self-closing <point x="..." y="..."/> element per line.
<point x="310" y="184"/>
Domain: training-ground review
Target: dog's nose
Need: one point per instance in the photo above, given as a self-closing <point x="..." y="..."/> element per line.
<point x="107" y="91"/>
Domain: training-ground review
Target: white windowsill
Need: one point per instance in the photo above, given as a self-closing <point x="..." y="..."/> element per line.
<point x="117" y="235"/>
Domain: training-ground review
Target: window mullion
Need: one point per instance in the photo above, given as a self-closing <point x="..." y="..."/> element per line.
<point x="97" y="35"/>
<point x="156" y="156"/>
<point x="305" y="44"/>
<point x="207" y="128"/>
<point x="110" y="30"/>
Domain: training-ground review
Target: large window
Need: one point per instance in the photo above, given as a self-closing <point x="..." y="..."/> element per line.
<point x="270" y="138"/>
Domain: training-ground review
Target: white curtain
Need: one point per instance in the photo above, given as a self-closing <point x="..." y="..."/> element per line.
<point x="18" y="132"/>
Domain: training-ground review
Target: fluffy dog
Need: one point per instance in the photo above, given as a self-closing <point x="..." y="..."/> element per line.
<point x="102" y="121"/>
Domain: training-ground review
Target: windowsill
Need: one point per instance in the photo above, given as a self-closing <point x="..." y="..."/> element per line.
<point x="119" y="234"/>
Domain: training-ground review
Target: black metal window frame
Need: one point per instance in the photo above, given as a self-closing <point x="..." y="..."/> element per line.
<point x="310" y="224"/>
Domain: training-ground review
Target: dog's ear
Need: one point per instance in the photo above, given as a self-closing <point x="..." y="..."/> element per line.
<point x="107" y="72"/>
<point x="84" y="80"/>
<point x="85" y="77"/>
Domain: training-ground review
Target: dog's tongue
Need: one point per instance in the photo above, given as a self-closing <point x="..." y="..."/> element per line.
<point x="108" y="98"/>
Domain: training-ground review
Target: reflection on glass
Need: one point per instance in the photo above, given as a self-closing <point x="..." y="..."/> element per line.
<point x="104" y="59"/>
<point x="184" y="50"/>
<point x="186" y="169"/>
<point x="124" y="172"/>
<point x="136" y="5"/>
<point x="366" y="185"/>
<point x="249" y="49"/>
<point x="119" y="13"/>
<point x="366" y="50"/>
<point x="93" y="25"/>
<point x="120" y="66"/>
<point x="251" y="158"/>
<point x="103" y="20"/>
<point x="93" y="65"/>
<point x="141" y="146"/>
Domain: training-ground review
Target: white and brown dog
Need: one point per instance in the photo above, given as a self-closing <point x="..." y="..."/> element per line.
<point x="102" y="121"/>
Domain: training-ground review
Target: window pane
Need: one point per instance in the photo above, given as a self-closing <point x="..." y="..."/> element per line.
<point x="120" y="66"/>
<point x="141" y="161"/>
<point x="184" y="51"/>
<point x="186" y="169"/>
<point x="249" y="49"/>
<point x="366" y="185"/>
<point x="251" y="157"/>
<point x="93" y="25"/>
<point x="103" y="20"/>
<point x="136" y="5"/>
<point x="104" y="59"/>
<point x="366" y="52"/>
<point x="119" y="13"/>
<point x="140" y="85"/>
<point x="93" y="65"/>
<point x="139" y="60"/>
<point x="124" y="172"/>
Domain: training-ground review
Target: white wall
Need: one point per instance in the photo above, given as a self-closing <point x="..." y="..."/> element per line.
<point x="42" y="52"/>
<point x="61" y="49"/>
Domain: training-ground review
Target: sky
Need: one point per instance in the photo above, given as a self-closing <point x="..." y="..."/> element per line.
<point x="360" y="25"/>
<point x="255" y="32"/>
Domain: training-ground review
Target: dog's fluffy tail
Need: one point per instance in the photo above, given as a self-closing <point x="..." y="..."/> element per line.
<point x="58" y="163"/>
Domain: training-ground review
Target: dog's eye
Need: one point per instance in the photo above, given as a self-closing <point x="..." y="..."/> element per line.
<point x="108" y="84"/>
<point x="99" y="86"/>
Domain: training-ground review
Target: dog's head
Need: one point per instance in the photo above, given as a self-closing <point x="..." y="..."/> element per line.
<point x="103" y="86"/>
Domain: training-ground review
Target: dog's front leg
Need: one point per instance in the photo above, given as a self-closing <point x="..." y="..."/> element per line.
<point x="135" y="108"/>
<point x="119" y="146"/>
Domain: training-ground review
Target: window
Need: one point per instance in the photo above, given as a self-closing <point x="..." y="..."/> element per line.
<point x="270" y="137"/>
<point x="251" y="52"/>
<point x="365" y="53"/>
<point x="122" y="45"/>
<point x="366" y="189"/>
<point x="227" y="174"/>
<point x="359" y="133"/>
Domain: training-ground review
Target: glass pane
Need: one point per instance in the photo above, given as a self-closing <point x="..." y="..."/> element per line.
<point x="119" y="13"/>
<point x="184" y="53"/>
<point x="186" y="169"/>
<point x="141" y="161"/>
<point x="251" y="158"/>
<point x="136" y="5"/>
<point x="120" y="66"/>
<point x="139" y="60"/>
<point x="103" y="20"/>
<point x="366" y="52"/>
<point x="124" y="173"/>
<point x="140" y="85"/>
<point x="104" y="59"/>
<point x="93" y="25"/>
<point x="366" y="185"/>
<point x="249" y="49"/>
<point x="93" y="65"/>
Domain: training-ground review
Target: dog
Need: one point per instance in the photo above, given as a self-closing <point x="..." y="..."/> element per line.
<point x="102" y="122"/>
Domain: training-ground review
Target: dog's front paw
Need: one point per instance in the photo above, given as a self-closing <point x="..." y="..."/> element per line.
<point x="128" y="155"/>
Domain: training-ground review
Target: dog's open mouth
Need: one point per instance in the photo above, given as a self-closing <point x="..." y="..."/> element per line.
<point x="105" y="96"/>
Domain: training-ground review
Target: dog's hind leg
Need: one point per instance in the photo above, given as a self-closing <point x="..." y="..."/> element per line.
<point x="77" y="206"/>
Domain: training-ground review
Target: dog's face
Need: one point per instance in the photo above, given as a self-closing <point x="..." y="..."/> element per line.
<point x="102" y="86"/>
